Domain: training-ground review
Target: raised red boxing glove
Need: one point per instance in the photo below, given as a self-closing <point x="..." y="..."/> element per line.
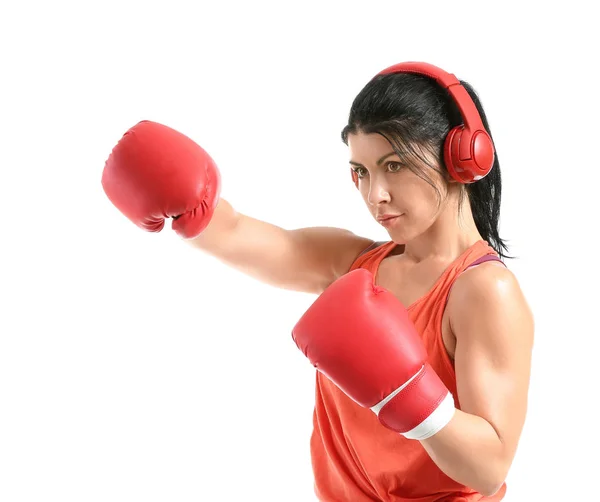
<point x="155" y="172"/>
<point x="359" y="336"/>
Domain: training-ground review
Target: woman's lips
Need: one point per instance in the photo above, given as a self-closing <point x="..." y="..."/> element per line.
<point x="388" y="220"/>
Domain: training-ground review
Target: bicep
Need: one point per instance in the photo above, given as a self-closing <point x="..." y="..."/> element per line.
<point x="493" y="326"/>
<point x="305" y="259"/>
<point x="328" y="251"/>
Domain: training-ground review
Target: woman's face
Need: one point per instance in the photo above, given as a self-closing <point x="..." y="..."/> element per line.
<point x="390" y="188"/>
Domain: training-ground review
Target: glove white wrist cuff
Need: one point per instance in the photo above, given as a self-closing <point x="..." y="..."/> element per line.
<point x="434" y="422"/>
<point x="419" y="408"/>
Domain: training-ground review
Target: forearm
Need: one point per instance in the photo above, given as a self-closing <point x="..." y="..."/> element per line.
<point x="222" y="223"/>
<point x="469" y="451"/>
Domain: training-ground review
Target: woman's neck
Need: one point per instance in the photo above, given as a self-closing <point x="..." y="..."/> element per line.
<point x="448" y="237"/>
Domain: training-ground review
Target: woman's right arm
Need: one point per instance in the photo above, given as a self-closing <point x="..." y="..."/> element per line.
<point x="305" y="259"/>
<point x="155" y="172"/>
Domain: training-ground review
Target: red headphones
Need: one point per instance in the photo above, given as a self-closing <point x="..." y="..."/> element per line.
<point x="468" y="149"/>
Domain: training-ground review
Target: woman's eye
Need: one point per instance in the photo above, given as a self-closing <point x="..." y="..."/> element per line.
<point x="360" y="172"/>
<point x="393" y="167"/>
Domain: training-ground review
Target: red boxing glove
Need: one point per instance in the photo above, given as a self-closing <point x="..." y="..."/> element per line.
<point x="359" y="336"/>
<point x="155" y="172"/>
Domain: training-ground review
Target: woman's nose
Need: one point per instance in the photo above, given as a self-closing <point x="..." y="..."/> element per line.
<point x="378" y="193"/>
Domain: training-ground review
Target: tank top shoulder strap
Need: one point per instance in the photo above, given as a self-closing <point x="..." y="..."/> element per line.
<point x="484" y="258"/>
<point x="489" y="255"/>
<point x="370" y="257"/>
<point x="376" y="244"/>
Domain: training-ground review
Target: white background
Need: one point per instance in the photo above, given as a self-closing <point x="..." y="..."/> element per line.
<point x="133" y="367"/>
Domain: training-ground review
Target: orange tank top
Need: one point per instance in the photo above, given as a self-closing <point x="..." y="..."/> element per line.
<point x="354" y="457"/>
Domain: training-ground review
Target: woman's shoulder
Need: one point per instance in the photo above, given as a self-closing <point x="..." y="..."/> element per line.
<point x="490" y="287"/>
<point x="488" y="273"/>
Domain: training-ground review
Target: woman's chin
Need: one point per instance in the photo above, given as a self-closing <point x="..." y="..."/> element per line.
<point x="397" y="236"/>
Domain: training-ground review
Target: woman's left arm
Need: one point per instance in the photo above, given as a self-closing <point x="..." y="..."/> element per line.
<point x="493" y="326"/>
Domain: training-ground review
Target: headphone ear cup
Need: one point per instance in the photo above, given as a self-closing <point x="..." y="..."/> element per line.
<point x="354" y="177"/>
<point x="481" y="153"/>
<point x="450" y="153"/>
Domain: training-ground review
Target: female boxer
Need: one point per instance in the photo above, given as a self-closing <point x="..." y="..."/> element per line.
<point x="422" y="343"/>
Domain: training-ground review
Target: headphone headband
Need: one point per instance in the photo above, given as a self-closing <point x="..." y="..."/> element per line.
<point x="468" y="110"/>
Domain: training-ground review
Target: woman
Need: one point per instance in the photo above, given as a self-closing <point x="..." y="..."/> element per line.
<point x="447" y="297"/>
